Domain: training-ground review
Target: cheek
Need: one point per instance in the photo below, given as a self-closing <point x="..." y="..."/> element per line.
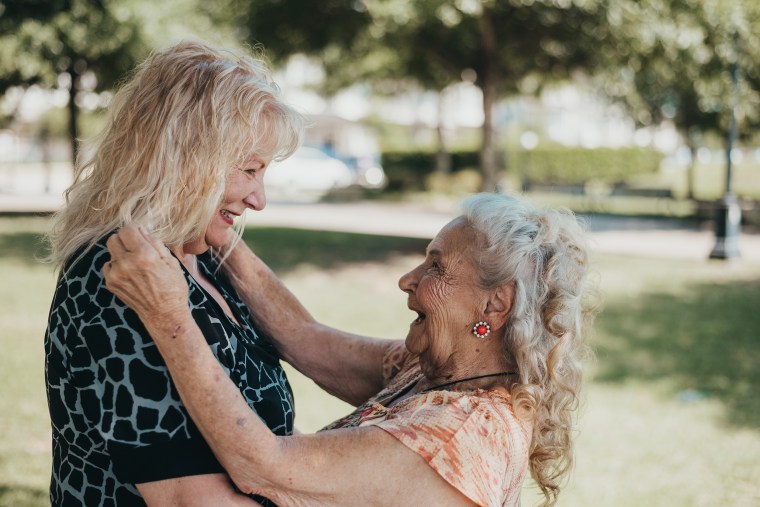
<point x="231" y="195"/>
<point x="440" y="319"/>
<point x="437" y="296"/>
<point x="238" y="186"/>
<point x="450" y="307"/>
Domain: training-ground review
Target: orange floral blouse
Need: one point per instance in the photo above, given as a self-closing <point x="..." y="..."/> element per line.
<point x="472" y="439"/>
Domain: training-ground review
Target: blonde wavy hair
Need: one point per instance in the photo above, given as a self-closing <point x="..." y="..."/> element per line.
<point x="544" y="253"/>
<point x="188" y="116"/>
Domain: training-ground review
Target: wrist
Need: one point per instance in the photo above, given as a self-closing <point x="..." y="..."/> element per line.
<point x="169" y="323"/>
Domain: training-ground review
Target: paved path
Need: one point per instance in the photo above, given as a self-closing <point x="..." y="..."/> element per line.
<point x="663" y="238"/>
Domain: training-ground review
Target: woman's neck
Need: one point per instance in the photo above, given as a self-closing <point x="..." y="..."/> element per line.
<point x="190" y="261"/>
<point x="479" y="366"/>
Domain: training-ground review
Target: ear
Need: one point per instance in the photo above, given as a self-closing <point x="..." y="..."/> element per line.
<point x="499" y="305"/>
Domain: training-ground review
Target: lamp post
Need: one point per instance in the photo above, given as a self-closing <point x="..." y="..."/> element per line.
<point x="728" y="213"/>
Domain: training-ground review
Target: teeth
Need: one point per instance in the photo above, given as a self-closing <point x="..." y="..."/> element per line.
<point x="420" y="317"/>
<point x="227" y="214"/>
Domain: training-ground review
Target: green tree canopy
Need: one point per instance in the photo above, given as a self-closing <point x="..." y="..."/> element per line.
<point x="671" y="61"/>
<point x="500" y="42"/>
<point x="288" y="27"/>
<point x="71" y="38"/>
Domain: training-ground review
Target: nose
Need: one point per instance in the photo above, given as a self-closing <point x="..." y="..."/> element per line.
<point x="257" y="198"/>
<point x="408" y="282"/>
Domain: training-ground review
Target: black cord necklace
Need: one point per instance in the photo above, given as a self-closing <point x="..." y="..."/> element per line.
<point x="502" y="374"/>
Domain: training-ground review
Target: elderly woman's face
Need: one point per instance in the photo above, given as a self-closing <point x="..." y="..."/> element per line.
<point x="444" y="292"/>
<point x="244" y="189"/>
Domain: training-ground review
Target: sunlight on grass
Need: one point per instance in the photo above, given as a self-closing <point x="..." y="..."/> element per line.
<point x="637" y="447"/>
<point x="671" y="418"/>
<point x="24" y="425"/>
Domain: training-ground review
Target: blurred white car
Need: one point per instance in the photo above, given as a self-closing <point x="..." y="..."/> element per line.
<point x="309" y="172"/>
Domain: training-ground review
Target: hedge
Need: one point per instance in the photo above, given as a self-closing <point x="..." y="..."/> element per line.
<point x="409" y="170"/>
<point x="575" y="166"/>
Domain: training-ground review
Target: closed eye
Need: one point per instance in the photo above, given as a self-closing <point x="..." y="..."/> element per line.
<point x="251" y="171"/>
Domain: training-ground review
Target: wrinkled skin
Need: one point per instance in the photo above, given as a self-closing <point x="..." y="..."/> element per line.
<point x="329" y="468"/>
<point x="444" y="289"/>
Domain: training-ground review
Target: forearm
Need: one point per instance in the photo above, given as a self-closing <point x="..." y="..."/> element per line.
<point x="356" y="466"/>
<point x="240" y="440"/>
<point x="348" y="366"/>
<point x="335" y="468"/>
<point x="331" y="468"/>
<point x="193" y="490"/>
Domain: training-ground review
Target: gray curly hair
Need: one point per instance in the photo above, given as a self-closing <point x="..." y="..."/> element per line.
<point x="544" y="253"/>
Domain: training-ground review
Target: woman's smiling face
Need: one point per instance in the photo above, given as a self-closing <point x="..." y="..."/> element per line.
<point x="444" y="292"/>
<point x="244" y="189"/>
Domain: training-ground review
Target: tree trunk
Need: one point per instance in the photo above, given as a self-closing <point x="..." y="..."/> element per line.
<point x="442" y="156"/>
<point x="487" y="151"/>
<point x="44" y="140"/>
<point x="488" y="81"/>
<point x="73" y="114"/>
<point x="690" y="171"/>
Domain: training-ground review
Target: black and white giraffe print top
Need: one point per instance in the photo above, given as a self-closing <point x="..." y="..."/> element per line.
<point x="117" y="419"/>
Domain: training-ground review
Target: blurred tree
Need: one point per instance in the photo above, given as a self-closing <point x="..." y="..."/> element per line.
<point x="390" y="64"/>
<point x="288" y="27"/>
<point x="13" y="12"/>
<point x="75" y="44"/>
<point x="509" y="47"/>
<point x="669" y="60"/>
<point x="499" y="42"/>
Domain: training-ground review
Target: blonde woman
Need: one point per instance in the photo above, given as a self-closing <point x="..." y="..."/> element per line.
<point x="483" y="389"/>
<point x="184" y="152"/>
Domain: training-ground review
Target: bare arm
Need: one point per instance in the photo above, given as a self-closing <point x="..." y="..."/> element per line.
<point x="361" y="466"/>
<point x="346" y="365"/>
<point x="194" y="490"/>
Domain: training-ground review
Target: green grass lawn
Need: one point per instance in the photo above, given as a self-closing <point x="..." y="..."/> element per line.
<point x="672" y="412"/>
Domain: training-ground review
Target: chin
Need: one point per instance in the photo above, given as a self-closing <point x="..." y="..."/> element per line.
<point x="195" y="247"/>
<point x="414" y="344"/>
<point x="215" y="240"/>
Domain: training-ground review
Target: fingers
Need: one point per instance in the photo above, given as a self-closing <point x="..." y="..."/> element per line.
<point x="116" y="246"/>
<point x="135" y="240"/>
<point x="160" y="248"/>
<point x="107" y="271"/>
<point x="142" y="272"/>
<point x="132" y="238"/>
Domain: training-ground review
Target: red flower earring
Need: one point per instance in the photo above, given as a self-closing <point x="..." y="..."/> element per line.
<point x="481" y="329"/>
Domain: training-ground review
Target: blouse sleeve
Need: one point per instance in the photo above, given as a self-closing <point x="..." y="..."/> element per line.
<point x="122" y="383"/>
<point x="476" y="445"/>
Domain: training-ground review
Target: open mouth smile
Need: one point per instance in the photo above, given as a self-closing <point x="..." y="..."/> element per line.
<point x="227" y="216"/>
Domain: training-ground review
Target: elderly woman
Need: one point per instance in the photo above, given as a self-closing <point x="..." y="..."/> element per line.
<point x="185" y="150"/>
<point x="484" y="388"/>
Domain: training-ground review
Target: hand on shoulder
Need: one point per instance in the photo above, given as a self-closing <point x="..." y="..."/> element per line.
<point x="144" y="274"/>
